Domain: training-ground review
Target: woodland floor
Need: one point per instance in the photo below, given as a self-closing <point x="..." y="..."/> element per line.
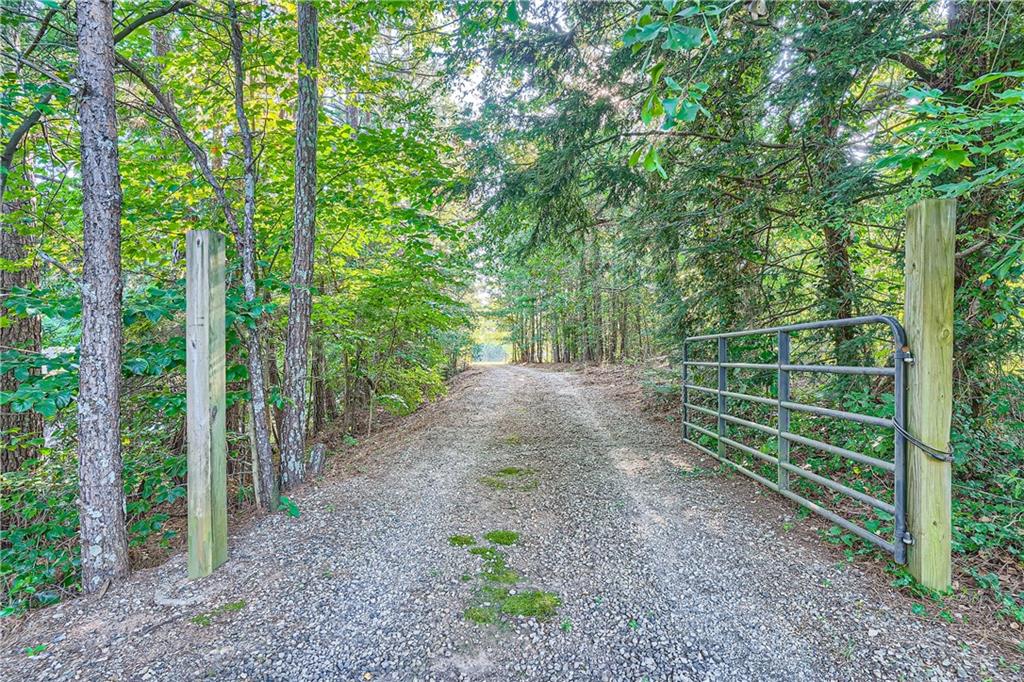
<point x="665" y="568"/>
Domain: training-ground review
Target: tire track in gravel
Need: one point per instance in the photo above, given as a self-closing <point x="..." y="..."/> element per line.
<point x="661" y="576"/>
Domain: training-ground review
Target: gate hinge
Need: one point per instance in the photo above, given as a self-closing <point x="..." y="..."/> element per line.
<point x="904" y="354"/>
<point x="908" y="539"/>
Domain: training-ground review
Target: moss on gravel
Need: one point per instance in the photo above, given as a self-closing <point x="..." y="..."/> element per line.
<point x="461" y="540"/>
<point x="482" y="615"/>
<point x="495" y="567"/>
<point x="502" y="537"/>
<point x="511" y="478"/>
<point x="206" y="619"/>
<point x="496" y="596"/>
<point x="514" y="471"/>
<point x="492" y="602"/>
<point x="532" y="604"/>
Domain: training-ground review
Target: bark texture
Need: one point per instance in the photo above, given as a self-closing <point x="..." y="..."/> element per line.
<point x="300" y="301"/>
<point x="22" y="332"/>
<point x="101" y="493"/>
<point x="246" y="241"/>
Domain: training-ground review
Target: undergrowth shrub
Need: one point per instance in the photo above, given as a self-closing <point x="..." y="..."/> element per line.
<point x="39" y="535"/>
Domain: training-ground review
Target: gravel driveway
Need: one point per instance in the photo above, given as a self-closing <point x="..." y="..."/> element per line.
<point x="664" y="569"/>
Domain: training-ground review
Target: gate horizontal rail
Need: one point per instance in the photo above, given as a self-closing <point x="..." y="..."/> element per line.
<point x="785" y="406"/>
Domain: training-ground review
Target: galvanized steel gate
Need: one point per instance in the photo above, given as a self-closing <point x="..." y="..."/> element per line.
<point x="897" y="546"/>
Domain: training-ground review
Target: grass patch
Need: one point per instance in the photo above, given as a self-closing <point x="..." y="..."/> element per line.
<point x="461" y="540"/>
<point x="502" y="537"/>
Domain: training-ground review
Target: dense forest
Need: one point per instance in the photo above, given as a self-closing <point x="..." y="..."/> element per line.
<point x="614" y="177"/>
<point x="677" y="169"/>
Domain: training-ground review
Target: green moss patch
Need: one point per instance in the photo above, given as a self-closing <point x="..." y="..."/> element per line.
<point x="514" y="471"/>
<point x="495" y="568"/>
<point x="461" y="540"/>
<point x="511" y="478"/>
<point x="491" y="603"/>
<point x="206" y="619"/>
<point x="494" y="483"/>
<point x="496" y="598"/>
<point x="482" y="615"/>
<point x="532" y="604"/>
<point x="488" y="553"/>
<point x="500" y="574"/>
<point x="502" y="537"/>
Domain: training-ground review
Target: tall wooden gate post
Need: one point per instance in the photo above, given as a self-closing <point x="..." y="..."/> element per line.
<point x="928" y="318"/>
<point x="205" y="391"/>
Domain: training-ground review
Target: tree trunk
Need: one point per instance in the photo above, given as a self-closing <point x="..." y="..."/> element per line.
<point x="321" y="409"/>
<point x="244" y="235"/>
<point x="101" y="493"/>
<point x="21" y="332"/>
<point x="300" y="302"/>
<point x="839" y="288"/>
<point x="246" y="243"/>
<point x="598" y="325"/>
<point x="623" y="326"/>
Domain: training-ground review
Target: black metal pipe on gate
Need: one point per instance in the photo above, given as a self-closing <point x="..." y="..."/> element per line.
<point x="897" y="547"/>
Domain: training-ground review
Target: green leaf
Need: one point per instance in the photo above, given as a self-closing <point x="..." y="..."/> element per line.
<point x="289" y="507"/>
<point x="643" y="34"/>
<point x="652" y="162"/>
<point x="682" y="38"/>
<point x="952" y="158"/>
<point x="988" y="78"/>
<point x="655" y="73"/>
<point x="652" y="108"/>
<point x="711" y="32"/>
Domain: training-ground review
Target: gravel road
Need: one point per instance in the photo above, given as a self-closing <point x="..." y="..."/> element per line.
<point x="665" y="569"/>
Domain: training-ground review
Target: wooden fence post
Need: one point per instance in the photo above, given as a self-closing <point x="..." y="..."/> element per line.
<point x="204" y="363"/>
<point x="928" y="317"/>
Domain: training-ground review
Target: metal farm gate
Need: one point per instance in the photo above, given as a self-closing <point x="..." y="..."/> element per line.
<point x="784" y="407"/>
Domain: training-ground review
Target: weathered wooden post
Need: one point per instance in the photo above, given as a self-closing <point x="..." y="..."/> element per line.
<point x="928" y="317"/>
<point x="205" y="392"/>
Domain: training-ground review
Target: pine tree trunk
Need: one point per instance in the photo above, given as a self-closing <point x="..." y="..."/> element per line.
<point x="595" y="283"/>
<point x="319" y="381"/>
<point x="22" y="332"/>
<point x="101" y="493"/>
<point x="300" y="302"/>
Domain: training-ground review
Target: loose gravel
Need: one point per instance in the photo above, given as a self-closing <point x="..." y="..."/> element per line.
<point x="666" y="569"/>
